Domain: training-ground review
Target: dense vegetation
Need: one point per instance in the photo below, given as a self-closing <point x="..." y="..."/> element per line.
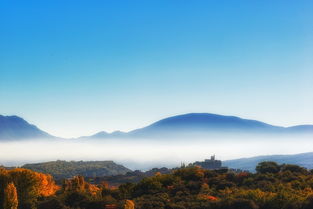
<point x="129" y="177"/>
<point x="249" y="164"/>
<point x="63" y="169"/>
<point x="273" y="186"/>
<point x="24" y="187"/>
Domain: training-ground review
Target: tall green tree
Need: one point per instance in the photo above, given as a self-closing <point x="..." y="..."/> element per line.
<point x="267" y="167"/>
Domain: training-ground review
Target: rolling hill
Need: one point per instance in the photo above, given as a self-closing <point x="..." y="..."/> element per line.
<point x="67" y="169"/>
<point x="205" y="123"/>
<point x="303" y="159"/>
<point x="195" y="124"/>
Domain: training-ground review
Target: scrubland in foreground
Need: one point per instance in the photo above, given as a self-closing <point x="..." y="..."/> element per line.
<point x="273" y="186"/>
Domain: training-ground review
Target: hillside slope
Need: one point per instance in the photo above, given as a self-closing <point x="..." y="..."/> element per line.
<point x="205" y="124"/>
<point x="303" y="159"/>
<point x="16" y="128"/>
<point x="66" y="169"/>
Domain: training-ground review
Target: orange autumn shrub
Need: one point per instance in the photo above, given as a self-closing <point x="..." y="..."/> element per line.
<point x="47" y="186"/>
<point x="207" y="197"/>
<point x="78" y="184"/>
<point x="10" y="197"/>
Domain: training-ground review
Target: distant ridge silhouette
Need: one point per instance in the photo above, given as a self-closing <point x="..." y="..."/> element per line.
<point x="187" y="125"/>
<point x="205" y="123"/>
<point x="16" y="128"/>
<point x="302" y="159"/>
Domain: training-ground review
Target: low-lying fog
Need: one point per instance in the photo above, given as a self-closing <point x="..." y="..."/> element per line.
<point x="145" y="154"/>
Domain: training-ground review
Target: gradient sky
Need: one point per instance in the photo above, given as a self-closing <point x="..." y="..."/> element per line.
<point x="77" y="67"/>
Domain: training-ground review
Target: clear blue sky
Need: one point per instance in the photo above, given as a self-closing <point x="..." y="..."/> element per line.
<point x="77" y="67"/>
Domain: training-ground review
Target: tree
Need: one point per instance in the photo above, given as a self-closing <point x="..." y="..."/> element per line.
<point x="47" y="186"/>
<point x="75" y="199"/>
<point x="4" y="180"/>
<point x="78" y="184"/>
<point x="308" y="203"/>
<point x="242" y="204"/>
<point x="129" y="204"/>
<point x="27" y="185"/>
<point x="53" y="203"/>
<point x="267" y="167"/>
<point x="10" y="197"/>
<point x="294" y="168"/>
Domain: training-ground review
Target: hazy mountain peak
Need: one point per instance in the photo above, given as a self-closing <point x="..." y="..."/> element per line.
<point x="186" y="125"/>
<point x="14" y="127"/>
<point x="209" y="119"/>
<point x="101" y="134"/>
<point x="204" y="123"/>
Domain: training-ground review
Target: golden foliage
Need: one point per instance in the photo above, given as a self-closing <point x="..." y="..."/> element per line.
<point x="157" y="174"/>
<point x="10" y="197"/>
<point x="38" y="183"/>
<point x="92" y="189"/>
<point x="110" y="206"/>
<point x="78" y="184"/>
<point x="129" y="204"/>
<point x="47" y="186"/>
<point x="207" y="197"/>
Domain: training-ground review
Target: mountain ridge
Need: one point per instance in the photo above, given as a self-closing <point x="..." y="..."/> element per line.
<point x="185" y="125"/>
<point x="14" y="127"/>
<point x="196" y="123"/>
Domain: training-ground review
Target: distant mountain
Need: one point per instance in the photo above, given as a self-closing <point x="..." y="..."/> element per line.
<point x="103" y="134"/>
<point x="67" y="169"/>
<point x="301" y="128"/>
<point x="16" y="128"/>
<point x="203" y="123"/>
<point x="304" y="160"/>
<point x="194" y="124"/>
<point x="188" y="125"/>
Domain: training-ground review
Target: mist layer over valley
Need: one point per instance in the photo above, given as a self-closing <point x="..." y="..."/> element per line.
<point x="168" y="142"/>
<point x="145" y="153"/>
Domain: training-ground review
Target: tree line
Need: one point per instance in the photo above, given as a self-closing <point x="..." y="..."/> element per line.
<point x="273" y="186"/>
